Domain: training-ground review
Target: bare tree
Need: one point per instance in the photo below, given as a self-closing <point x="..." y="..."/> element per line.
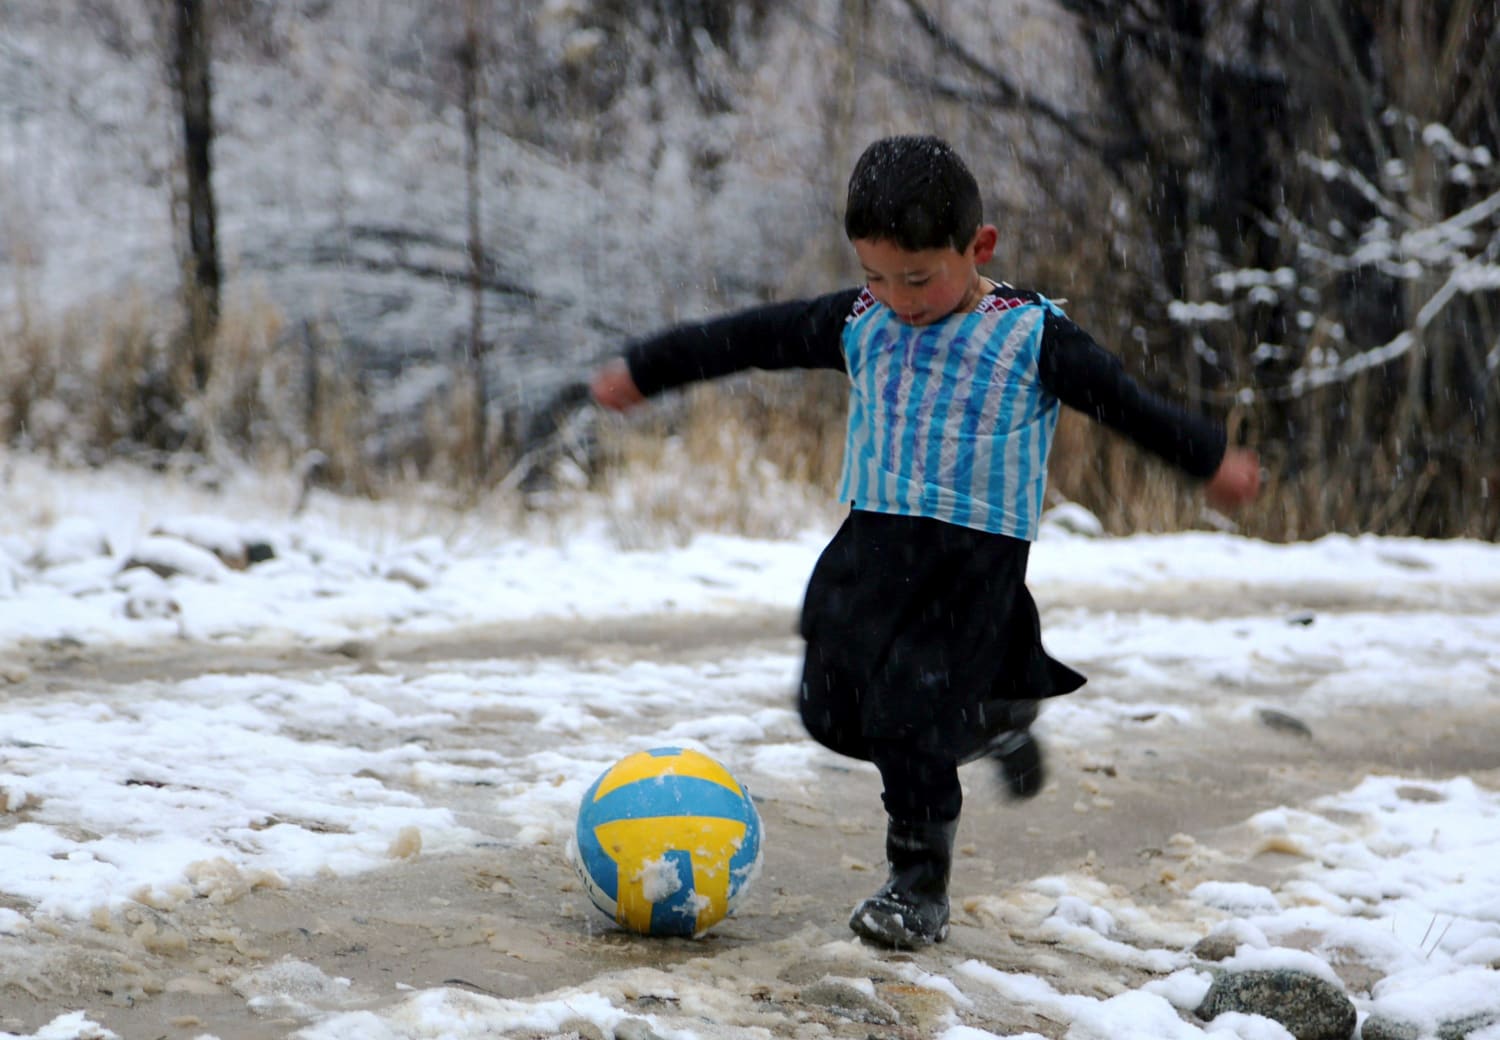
<point x="190" y="72"/>
<point x="471" y="62"/>
<point x="1317" y="191"/>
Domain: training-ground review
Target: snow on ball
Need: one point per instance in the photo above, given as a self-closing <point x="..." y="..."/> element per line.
<point x="667" y="842"/>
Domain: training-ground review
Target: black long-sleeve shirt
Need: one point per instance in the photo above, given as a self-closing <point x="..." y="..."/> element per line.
<point x="807" y="334"/>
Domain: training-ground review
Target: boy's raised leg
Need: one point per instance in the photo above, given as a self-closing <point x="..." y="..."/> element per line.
<point x="1015" y="752"/>
<point x="1018" y="757"/>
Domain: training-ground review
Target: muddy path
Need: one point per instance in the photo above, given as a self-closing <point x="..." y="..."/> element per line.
<point x="1149" y="813"/>
<point x="39" y="667"/>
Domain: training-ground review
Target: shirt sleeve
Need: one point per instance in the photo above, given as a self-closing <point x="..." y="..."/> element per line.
<point x="1085" y="376"/>
<point x="797" y="334"/>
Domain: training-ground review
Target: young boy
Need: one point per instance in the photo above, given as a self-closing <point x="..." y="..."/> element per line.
<point x="923" y="645"/>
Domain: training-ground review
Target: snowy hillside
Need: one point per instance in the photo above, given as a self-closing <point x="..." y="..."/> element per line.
<point x="340" y="181"/>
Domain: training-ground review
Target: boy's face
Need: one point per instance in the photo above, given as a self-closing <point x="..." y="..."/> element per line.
<point x="927" y="285"/>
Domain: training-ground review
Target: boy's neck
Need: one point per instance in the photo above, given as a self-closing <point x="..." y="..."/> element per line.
<point x="978" y="290"/>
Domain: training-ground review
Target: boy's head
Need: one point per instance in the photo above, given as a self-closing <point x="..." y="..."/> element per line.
<point x="914" y="192"/>
<point x="913" y="217"/>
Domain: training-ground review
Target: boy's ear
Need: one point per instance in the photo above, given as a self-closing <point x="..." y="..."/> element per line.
<point x="985" y="240"/>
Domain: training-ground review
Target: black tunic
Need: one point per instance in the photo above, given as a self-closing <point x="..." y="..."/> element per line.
<point x="919" y="630"/>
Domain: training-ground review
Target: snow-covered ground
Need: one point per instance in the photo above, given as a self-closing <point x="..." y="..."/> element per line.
<point x="171" y="788"/>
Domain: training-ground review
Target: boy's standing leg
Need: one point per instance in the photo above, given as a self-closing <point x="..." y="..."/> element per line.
<point x="923" y="800"/>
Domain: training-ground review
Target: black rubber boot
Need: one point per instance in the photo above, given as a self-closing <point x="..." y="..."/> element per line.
<point x="1018" y="757"/>
<point x="911" y="909"/>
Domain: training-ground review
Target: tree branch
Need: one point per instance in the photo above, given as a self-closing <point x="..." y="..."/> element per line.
<point x="1005" y="94"/>
<point x="1366" y="94"/>
<point x="1481" y="85"/>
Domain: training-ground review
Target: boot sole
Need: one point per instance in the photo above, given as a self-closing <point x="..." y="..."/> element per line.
<point x="886" y="926"/>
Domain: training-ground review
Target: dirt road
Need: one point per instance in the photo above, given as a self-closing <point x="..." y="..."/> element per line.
<point x="1147" y="814"/>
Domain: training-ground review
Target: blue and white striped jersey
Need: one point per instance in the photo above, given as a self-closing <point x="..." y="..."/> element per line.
<point x="951" y="420"/>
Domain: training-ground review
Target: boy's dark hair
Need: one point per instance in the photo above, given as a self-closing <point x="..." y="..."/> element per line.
<point x="913" y="191"/>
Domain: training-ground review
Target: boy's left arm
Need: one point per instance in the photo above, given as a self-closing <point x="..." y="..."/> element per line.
<point x="1237" y="480"/>
<point x="1085" y="376"/>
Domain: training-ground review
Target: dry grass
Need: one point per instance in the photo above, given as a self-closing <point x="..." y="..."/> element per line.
<point x="756" y="455"/>
<point x="108" y="383"/>
<point x="71" y="390"/>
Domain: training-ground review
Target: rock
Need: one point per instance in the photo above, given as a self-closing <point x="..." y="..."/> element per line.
<point x="1219" y="946"/>
<point x="412" y="572"/>
<point x="1462" y="1028"/>
<point x="1413" y="793"/>
<point x="1284" y="723"/>
<point x="169" y="557"/>
<point x="583" y="1029"/>
<point x="355" y="649"/>
<point x="1409" y="561"/>
<point x="151" y="606"/>
<point x="214" y="534"/>
<point x="808" y="970"/>
<point x="921" y="1010"/>
<point x="1309" y="1007"/>
<point x="1379" y="1027"/>
<point x="845" y="998"/>
<point x="635" y="1029"/>
<point x="72" y="540"/>
<point x="1383" y="1027"/>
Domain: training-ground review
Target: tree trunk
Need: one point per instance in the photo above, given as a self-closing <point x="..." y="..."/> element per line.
<point x="192" y="82"/>
<point x="469" y="58"/>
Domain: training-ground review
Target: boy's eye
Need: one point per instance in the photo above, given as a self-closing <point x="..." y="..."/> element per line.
<point x="916" y="282"/>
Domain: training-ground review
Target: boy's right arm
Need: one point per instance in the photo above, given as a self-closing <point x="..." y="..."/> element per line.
<point x="799" y="334"/>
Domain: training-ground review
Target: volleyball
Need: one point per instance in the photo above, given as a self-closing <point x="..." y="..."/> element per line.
<point x="667" y="842"/>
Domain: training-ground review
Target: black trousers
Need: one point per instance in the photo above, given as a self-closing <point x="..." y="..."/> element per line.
<point x="916" y="784"/>
<point x="923" y="643"/>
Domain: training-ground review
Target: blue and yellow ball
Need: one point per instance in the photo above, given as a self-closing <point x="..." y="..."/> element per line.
<point x="668" y="842"/>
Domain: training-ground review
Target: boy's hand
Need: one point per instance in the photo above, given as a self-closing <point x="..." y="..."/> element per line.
<point x="613" y="387"/>
<point x="1236" y="482"/>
